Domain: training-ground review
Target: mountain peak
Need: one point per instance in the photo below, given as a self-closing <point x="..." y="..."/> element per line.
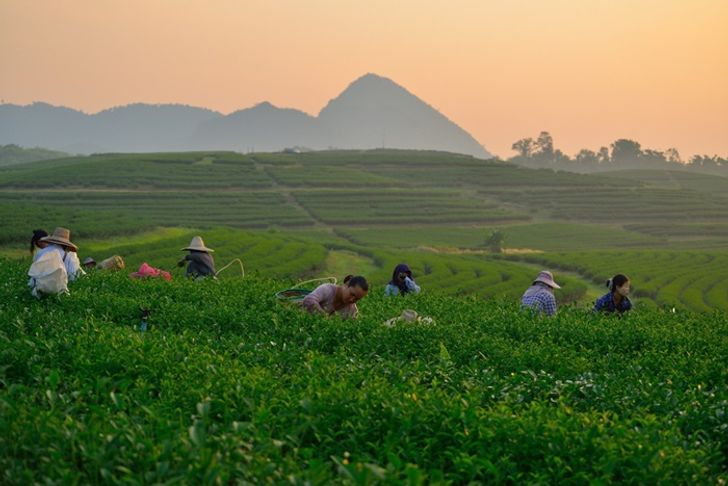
<point x="264" y="105"/>
<point x="374" y="111"/>
<point x="373" y="85"/>
<point x="370" y="78"/>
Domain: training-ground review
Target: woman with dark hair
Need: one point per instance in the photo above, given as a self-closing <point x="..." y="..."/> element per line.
<point x="332" y="299"/>
<point x="617" y="299"/>
<point x="402" y="282"/>
<point x="35" y="241"/>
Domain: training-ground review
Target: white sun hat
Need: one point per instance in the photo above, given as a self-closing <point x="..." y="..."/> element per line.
<point x="198" y="245"/>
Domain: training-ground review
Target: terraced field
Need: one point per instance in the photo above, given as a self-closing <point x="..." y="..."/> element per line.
<point x="287" y="256"/>
<point x="386" y="206"/>
<point x="357" y="207"/>
<point x="183" y="171"/>
<point x="262" y="254"/>
<point x="553" y="236"/>
<point x="199" y="209"/>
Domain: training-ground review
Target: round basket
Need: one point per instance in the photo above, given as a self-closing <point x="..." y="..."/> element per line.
<point x="292" y="296"/>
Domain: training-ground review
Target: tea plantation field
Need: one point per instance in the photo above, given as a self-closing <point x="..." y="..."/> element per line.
<point x="289" y="255"/>
<point x="347" y="188"/>
<point x="228" y="386"/>
<point x="301" y="215"/>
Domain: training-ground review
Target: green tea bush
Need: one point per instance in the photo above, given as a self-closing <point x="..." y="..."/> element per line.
<point x="229" y="386"/>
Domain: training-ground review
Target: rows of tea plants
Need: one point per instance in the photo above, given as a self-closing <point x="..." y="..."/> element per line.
<point x="199" y="209"/>
<point x="188" y="170"/>
<point x="676" y="179"/>
<point x="260" y="253"/>
<point x="619" y="205"/>
<point x="394" y="188"/>
<point x="20" y="217"/>
<point x="552" y="236"/>
<point x="347" y="207"/>
<point x="694" y="280"/>
<point x="684" y="230"/>
<point x="228" y="386"/>
<point x="285" y="255"/>
<point x="328" y="176"/>
<point x="479" y="276"/>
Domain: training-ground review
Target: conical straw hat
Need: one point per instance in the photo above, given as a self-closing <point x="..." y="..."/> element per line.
<point x="198" y="245"/>
<point x="547" y="278"/>
<point x="60" y="236"/>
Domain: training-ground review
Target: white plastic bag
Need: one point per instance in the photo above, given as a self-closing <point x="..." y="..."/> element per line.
<point x="48" y="274"/>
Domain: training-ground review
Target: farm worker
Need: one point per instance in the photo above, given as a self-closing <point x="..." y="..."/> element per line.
<point x="35" y="241"/>
<point x="340" y="299"/>
<point x="616" y="300"/>
<point x="402" y="282"/>
<point x="65" y="265"/>
<point x="89" y="263"/>
<point x="540" y="296"/>
<point x="201" y="262"/>
<point x="60" y="241"/>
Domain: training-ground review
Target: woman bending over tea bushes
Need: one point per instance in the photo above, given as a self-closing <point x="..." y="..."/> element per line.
<point x="332" y="299"/>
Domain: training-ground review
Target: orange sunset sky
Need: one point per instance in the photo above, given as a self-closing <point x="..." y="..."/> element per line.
<point x="588" y="71"/>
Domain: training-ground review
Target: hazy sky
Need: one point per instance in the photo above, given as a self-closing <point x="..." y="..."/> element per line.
<point x="588" y="71"/>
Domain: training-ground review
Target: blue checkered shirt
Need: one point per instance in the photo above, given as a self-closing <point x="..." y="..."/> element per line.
<point x="606" y="303"/>
<point x="539" y="298"/>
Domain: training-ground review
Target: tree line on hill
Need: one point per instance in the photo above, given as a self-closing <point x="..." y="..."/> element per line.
<point x="540" y="153"/>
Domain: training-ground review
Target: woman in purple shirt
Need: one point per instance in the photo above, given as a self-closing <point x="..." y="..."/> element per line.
<point x="332" y="299"/>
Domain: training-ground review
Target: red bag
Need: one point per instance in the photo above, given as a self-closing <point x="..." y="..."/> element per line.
<point x="148" y="271"/>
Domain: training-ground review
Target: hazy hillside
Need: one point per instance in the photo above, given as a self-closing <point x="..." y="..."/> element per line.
<point x="373" y="112"/>
<point x="13" y="154"/>
<point x="263" y="127"/>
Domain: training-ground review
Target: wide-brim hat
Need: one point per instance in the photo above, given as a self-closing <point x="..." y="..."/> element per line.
<point x="407" y="315"/>
<point x="547" y="278"/>
<point x="60" y="236"/>
<point x="89" y="261"/>
<point x="198" y="245"/>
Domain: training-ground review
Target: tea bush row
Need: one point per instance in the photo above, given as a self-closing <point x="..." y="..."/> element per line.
<point x="229" y="386"/>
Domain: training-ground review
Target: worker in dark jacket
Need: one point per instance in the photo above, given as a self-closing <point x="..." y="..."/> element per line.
<point x="201" y="262"/>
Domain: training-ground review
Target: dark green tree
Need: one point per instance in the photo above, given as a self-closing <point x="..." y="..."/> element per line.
<point x="495" y="241"/>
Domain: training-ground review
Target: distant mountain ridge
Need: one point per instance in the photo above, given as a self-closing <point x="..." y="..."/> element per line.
<point x="372" y="112"/>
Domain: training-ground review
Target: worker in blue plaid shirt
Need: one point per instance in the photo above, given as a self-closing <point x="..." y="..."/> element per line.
<point x="540" y="296"/>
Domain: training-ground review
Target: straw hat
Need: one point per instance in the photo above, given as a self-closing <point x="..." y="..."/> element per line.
<point x="112" y="263"/>
<point x="408" y="315"/>
<point x="198" y="245"/>
<point x="547" y="278"/>
<point x="88" y="261"/>
<point x="60" y="236"/>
